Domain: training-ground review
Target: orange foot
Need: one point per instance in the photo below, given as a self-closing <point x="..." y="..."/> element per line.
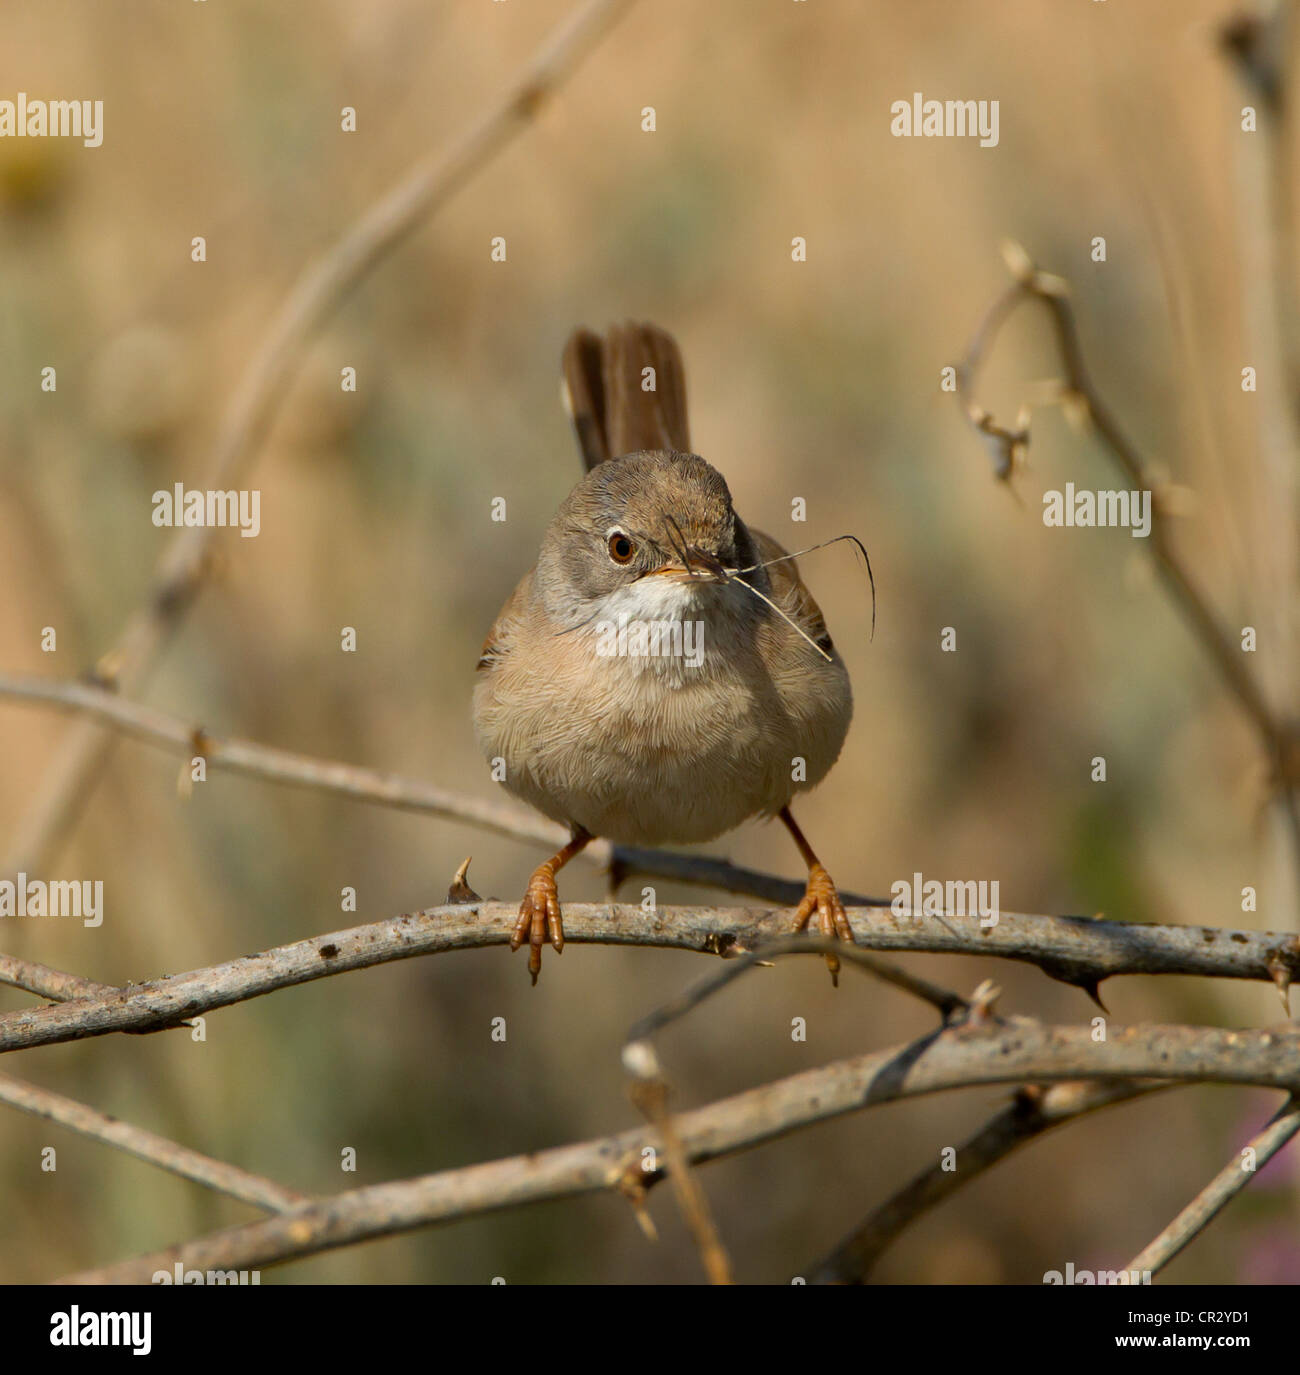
<point x="822" y="898"/>
<point x="539" y="918"/>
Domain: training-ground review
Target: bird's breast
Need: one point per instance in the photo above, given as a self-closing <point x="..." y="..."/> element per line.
<point x="658" y="729"/>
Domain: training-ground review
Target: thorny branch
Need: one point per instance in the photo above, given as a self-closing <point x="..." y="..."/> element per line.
<point x="1009" y="1051"/>
<point x="1080" y="951"/>
<point x="1077" y="950"/>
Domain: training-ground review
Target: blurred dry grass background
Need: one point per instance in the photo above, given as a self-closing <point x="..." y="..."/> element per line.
<point x="817" y="380"/>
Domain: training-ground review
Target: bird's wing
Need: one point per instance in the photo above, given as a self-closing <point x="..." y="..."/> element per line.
<point x="790" y="593"/>
<point x="499" y="638"/>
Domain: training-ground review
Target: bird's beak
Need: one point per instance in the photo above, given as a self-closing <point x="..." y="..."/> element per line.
<point x="699" y="567"/>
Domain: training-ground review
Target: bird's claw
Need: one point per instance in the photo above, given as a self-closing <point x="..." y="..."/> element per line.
<point x="539" y="918"/>
<point x="823" y="899"/>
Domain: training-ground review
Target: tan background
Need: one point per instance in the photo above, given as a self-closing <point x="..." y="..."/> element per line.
<point x="817" y="380"/>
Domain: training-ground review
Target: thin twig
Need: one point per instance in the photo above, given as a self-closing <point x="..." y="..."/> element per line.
<point x="1265" y="46"/>
<point x="46" y="982"/>
<point x="1281" y="738"/>
<point x="1220" y="1191"/>
<point x="1033" y="1112"/>
<point x="274" y="765"/>
<point x="1013" y="1051"/>
<point x="649" y="1088"/>
<point x="943" y="1000"/>
<point x="58" y="985"/>
<point x="649" y="1091"/>
<point x="145" y="1145"/>
<point x="261" y="391"/>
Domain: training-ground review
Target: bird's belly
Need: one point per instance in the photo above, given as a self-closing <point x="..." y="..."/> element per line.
<point x="637" y="787"/>
<point x="644" y="760"/>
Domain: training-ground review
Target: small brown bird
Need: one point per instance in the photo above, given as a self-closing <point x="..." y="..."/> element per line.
<point x="662" y="674"/>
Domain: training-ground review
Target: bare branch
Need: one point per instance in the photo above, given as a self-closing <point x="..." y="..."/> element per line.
<point x="1216" y="1195"/>
<point x="1281" y="738"/>
<point x="319" y="291"/>
<point x="649" y="1091"/>
<point x="145" y="1145"/>
<point x="1033" y="1112"/>
<point x="46" y="982"/>
<point x="1011" y="1051"/>
<point x="279" y="766"/>
<point x="1075" y="949"/>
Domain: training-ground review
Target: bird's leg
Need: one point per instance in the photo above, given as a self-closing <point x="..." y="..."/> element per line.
<point x="820" y="897"/>
<point x="539" y="913"/>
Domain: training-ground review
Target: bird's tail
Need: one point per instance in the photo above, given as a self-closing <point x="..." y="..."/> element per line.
<point x="625" y="391"/>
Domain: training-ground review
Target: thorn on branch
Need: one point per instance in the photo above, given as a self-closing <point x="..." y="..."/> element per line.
<point x="1279" y="968"/>
<point x="982" y="1001"/>
<point x="632" y="1183"/>
<point x="460" y="891"/>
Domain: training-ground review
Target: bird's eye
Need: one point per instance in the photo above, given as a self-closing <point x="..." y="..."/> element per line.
<point x="621" y="548"/>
